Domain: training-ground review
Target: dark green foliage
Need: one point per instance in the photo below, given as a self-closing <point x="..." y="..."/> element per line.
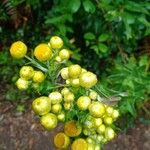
<point x="129" y="86"/>
<point x="9" y="67"/>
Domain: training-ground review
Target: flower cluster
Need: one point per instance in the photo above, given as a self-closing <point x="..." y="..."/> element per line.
<point x="88" y="122"/>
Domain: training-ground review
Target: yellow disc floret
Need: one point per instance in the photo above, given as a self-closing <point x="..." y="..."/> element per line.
<point x="109" y="133"/>
<point x="56" y="108"/>
<point x="83" y="102"/>
<point x="56" y="42"/>
<point x="97" y="109"/>
<point x="87" y="79"/>
<point x="18" y="50"/>
<point x="72" y="129"/>
<point x="41" y="105"/>
<point x="49" y="121"/>
<point x="79" y="144"/>
<point x="38" y="76"/>
<point x="64" y="54"/>
<point x="74" y="71"/>
<point x="43" y="52"/>
<point x="26" y="72"/>
<point x="55" y="97"/>
<point x="64" y="73"/>
<point x="61" y="140"/>
<point x="22" y="84"/>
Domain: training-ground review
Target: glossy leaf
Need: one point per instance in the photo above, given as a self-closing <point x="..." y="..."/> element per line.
<point x="89" y="36"/>
<point x="74" y="5"/>
<point x="102" y="47"/>
<point x="103" y="37"/>
<point x="89" y="6"/>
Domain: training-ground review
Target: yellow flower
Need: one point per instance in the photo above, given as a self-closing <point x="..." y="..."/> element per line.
<point x="61" y="140"/>
<point x="79" y="144"/>
<point x="38" y="76"/>
<point x="71" y="129"/>
<point x="43" y="52"/>
<point x="56" y="42"/>
<point x="18" y="50"/>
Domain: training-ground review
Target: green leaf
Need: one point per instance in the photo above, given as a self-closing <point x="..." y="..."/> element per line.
<point x="103" y="48"/>
<point x="146" y="5"/>
<point x="59" y="19"/>
<point x="128" y="30"/>
<point x="136" y="7"/>
<point x="89" y="6"/>
<point x="87" y="43"/>
<point x="147" y="32"/>
<point x="106" y="1"/>
<point x="144" y="21"/>
<point x="128" y="18"/>
<point x="95" y="48"/>
<point x="74" y="5"/>
<point x="62" y="29"/>
<point x="128" y="82"/>
<point x="130" y="107"/>
<point x="89" y="36"/>
<point x="127" y="106"/>
<point x="103" y="37"/>
<point x="143" y="61"/>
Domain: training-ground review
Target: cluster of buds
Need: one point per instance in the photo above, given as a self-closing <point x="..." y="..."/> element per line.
<point x="81" y="133"/>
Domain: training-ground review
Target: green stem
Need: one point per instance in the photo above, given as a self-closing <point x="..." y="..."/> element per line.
<point x="36" y="64"/>
<point x="98" y="89"/>
<point x="146" y="110"/>
<point x="58" y="86"/>
<point x="52" y="67"/>
<point x="147" y="66"/>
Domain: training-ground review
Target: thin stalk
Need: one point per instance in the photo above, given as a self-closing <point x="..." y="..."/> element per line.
<point x="58" y="86"/>
<point x="36" y="64"/>
<point x="146" y="110"/>
<point x="101" y="92"/>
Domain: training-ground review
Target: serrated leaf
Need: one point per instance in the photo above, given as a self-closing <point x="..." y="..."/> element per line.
<point x="103" y="37"/>
<point x="89" y="6"/>
<point x="74" y="5"/>
<point x="89" y="36"/>
<point x="103" y="48"/>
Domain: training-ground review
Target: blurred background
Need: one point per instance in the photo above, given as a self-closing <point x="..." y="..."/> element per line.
<point x="110" y="38"/>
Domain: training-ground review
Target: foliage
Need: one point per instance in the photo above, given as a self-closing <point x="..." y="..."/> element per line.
<point x="107" y="26"/>
<point x="9" y="75"/>
<point x="130" y="86"/>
